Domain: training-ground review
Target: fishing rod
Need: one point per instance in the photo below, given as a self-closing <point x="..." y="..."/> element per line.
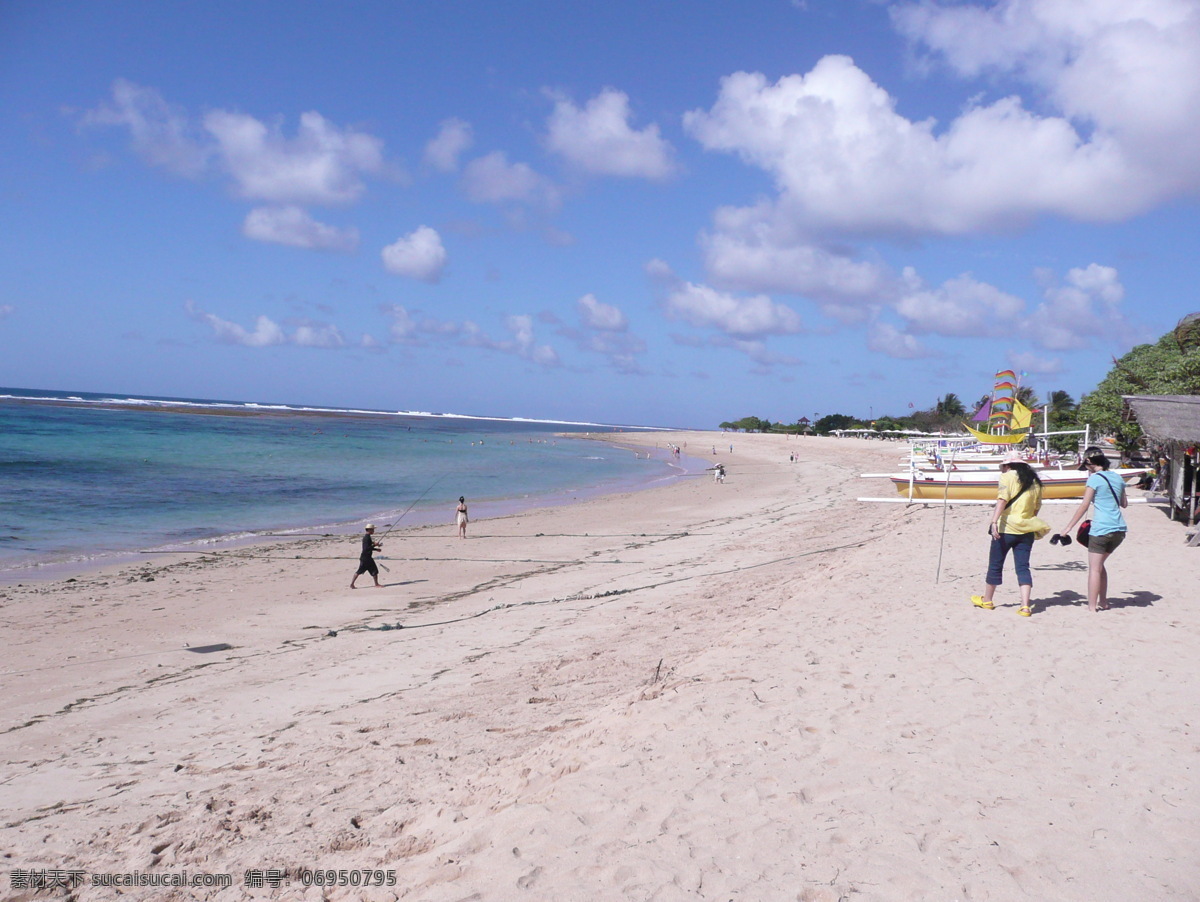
<point x="378" y="543"/>
<point x="402" y="516"/>
<point x="414" y="504"/>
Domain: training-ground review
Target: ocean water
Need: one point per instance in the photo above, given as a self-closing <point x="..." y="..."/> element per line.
<point x="86" y="477"/>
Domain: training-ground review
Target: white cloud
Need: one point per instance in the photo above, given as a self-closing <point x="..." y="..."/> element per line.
<point x="843" y="159"/>
<point x="404" y="328"/>
<point x="600" y="316"/>
<point x="605" y="332"/>
<point x="1119" y="83"/>
<point x="660" y="271"/>
<point x="1085" y="307"/>
<point x="409" y="330"/>
<point x="623" y="350"/>
<point x="492" y="179"/>
<point x="266" y="332"/>
<point x="751" y="317"/>
<point x="6" y="310"/>
<point x="162" y="134"/>
<point x="754" y="249"/>
<point x="293" y="226"/>
<point x="758" y="352"/>
<point x="321" y="165"/>
<point x="599" y="140"/>
<point x="1035" y="363"/>
<point x="884" y="338"/>
<point x="318" y="335"/>
<point x="418" y="255"/>
<point x="453" y="138"/>
<point x="414" y="330"/>
<point x="961" y="306"/>
<point x="523" y="344"/>
<point x="1130" y="70"/>
<point x="1114" y="87"/>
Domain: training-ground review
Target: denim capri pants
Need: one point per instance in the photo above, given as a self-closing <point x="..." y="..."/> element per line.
<point x="1020" y="544"/>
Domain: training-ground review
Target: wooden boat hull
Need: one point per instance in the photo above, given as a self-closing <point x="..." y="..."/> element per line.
<point x="983" y="485"/>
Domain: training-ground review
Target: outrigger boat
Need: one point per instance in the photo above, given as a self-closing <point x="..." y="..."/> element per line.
<point x="983" y="485"/>
<point x="968" y="462"/>
<point x="966" y="469"/>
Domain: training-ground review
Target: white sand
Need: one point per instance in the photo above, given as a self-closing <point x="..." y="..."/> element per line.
<point x="779" y="698"/>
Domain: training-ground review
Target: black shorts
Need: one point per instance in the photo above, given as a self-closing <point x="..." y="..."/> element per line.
<point x="367" y="565"/>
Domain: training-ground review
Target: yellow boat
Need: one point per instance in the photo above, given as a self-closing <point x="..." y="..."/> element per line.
<point x="982" y="485"/>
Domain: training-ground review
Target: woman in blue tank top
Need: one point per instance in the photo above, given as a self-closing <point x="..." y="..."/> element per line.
<point x="1105" y="494"/>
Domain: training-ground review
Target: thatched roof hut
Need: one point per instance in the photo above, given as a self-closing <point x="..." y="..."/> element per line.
<point x="1173" y="423"/>
<point x="1167" y="418"/>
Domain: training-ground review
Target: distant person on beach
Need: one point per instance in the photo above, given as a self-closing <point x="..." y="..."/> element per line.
<point x="1105" y="493"/>
<point x="1014" y="527"/>
<point x="719" y="473"/>
<point x="460" y="516"/>
<point x="366" y="558"/>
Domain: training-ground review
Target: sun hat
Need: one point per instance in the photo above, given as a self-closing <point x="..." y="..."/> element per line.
<point x="1013" y="458"/>
<point x="369" y="526"/>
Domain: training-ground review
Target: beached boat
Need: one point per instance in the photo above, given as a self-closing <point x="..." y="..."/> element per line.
<point x="957" y="465"/>
<point x="982" y="485"/>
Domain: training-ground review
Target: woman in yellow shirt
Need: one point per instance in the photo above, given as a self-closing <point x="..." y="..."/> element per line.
<point x="1015" y="526"/>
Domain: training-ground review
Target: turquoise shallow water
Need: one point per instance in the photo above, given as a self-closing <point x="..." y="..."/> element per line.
<point x="87" y="476"/>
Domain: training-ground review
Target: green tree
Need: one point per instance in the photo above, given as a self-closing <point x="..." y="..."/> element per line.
<point x="1187" y="331"/>
<point x="887" y="424"/>
<point x="1062" y="415"/>
<point x="950" y="407"/>
<point x="832" y="421"/>
<point x="1060" y="403"/>
<point x="1027" y="396"/>
<point x="1167" y="367"/>
<point x="749" y="424"/>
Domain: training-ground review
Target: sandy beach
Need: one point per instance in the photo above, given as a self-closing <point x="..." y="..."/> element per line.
<point x="756" y="690"/>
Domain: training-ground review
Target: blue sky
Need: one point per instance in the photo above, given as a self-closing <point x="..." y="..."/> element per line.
<point x="667" y="213"/>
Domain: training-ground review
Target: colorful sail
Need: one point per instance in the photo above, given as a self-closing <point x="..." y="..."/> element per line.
<point x="1022" y="417"/>
<point x="989" y="438"/>
<point x="1008" y="420"/>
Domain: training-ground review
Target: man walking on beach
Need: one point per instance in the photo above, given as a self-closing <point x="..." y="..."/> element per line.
<point x="366" y="559"/>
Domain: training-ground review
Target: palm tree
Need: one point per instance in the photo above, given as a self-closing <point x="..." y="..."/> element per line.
<point x="1060" y="402"/>
<point x="1026" y="395"/>
<point x="951" y="406"/>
